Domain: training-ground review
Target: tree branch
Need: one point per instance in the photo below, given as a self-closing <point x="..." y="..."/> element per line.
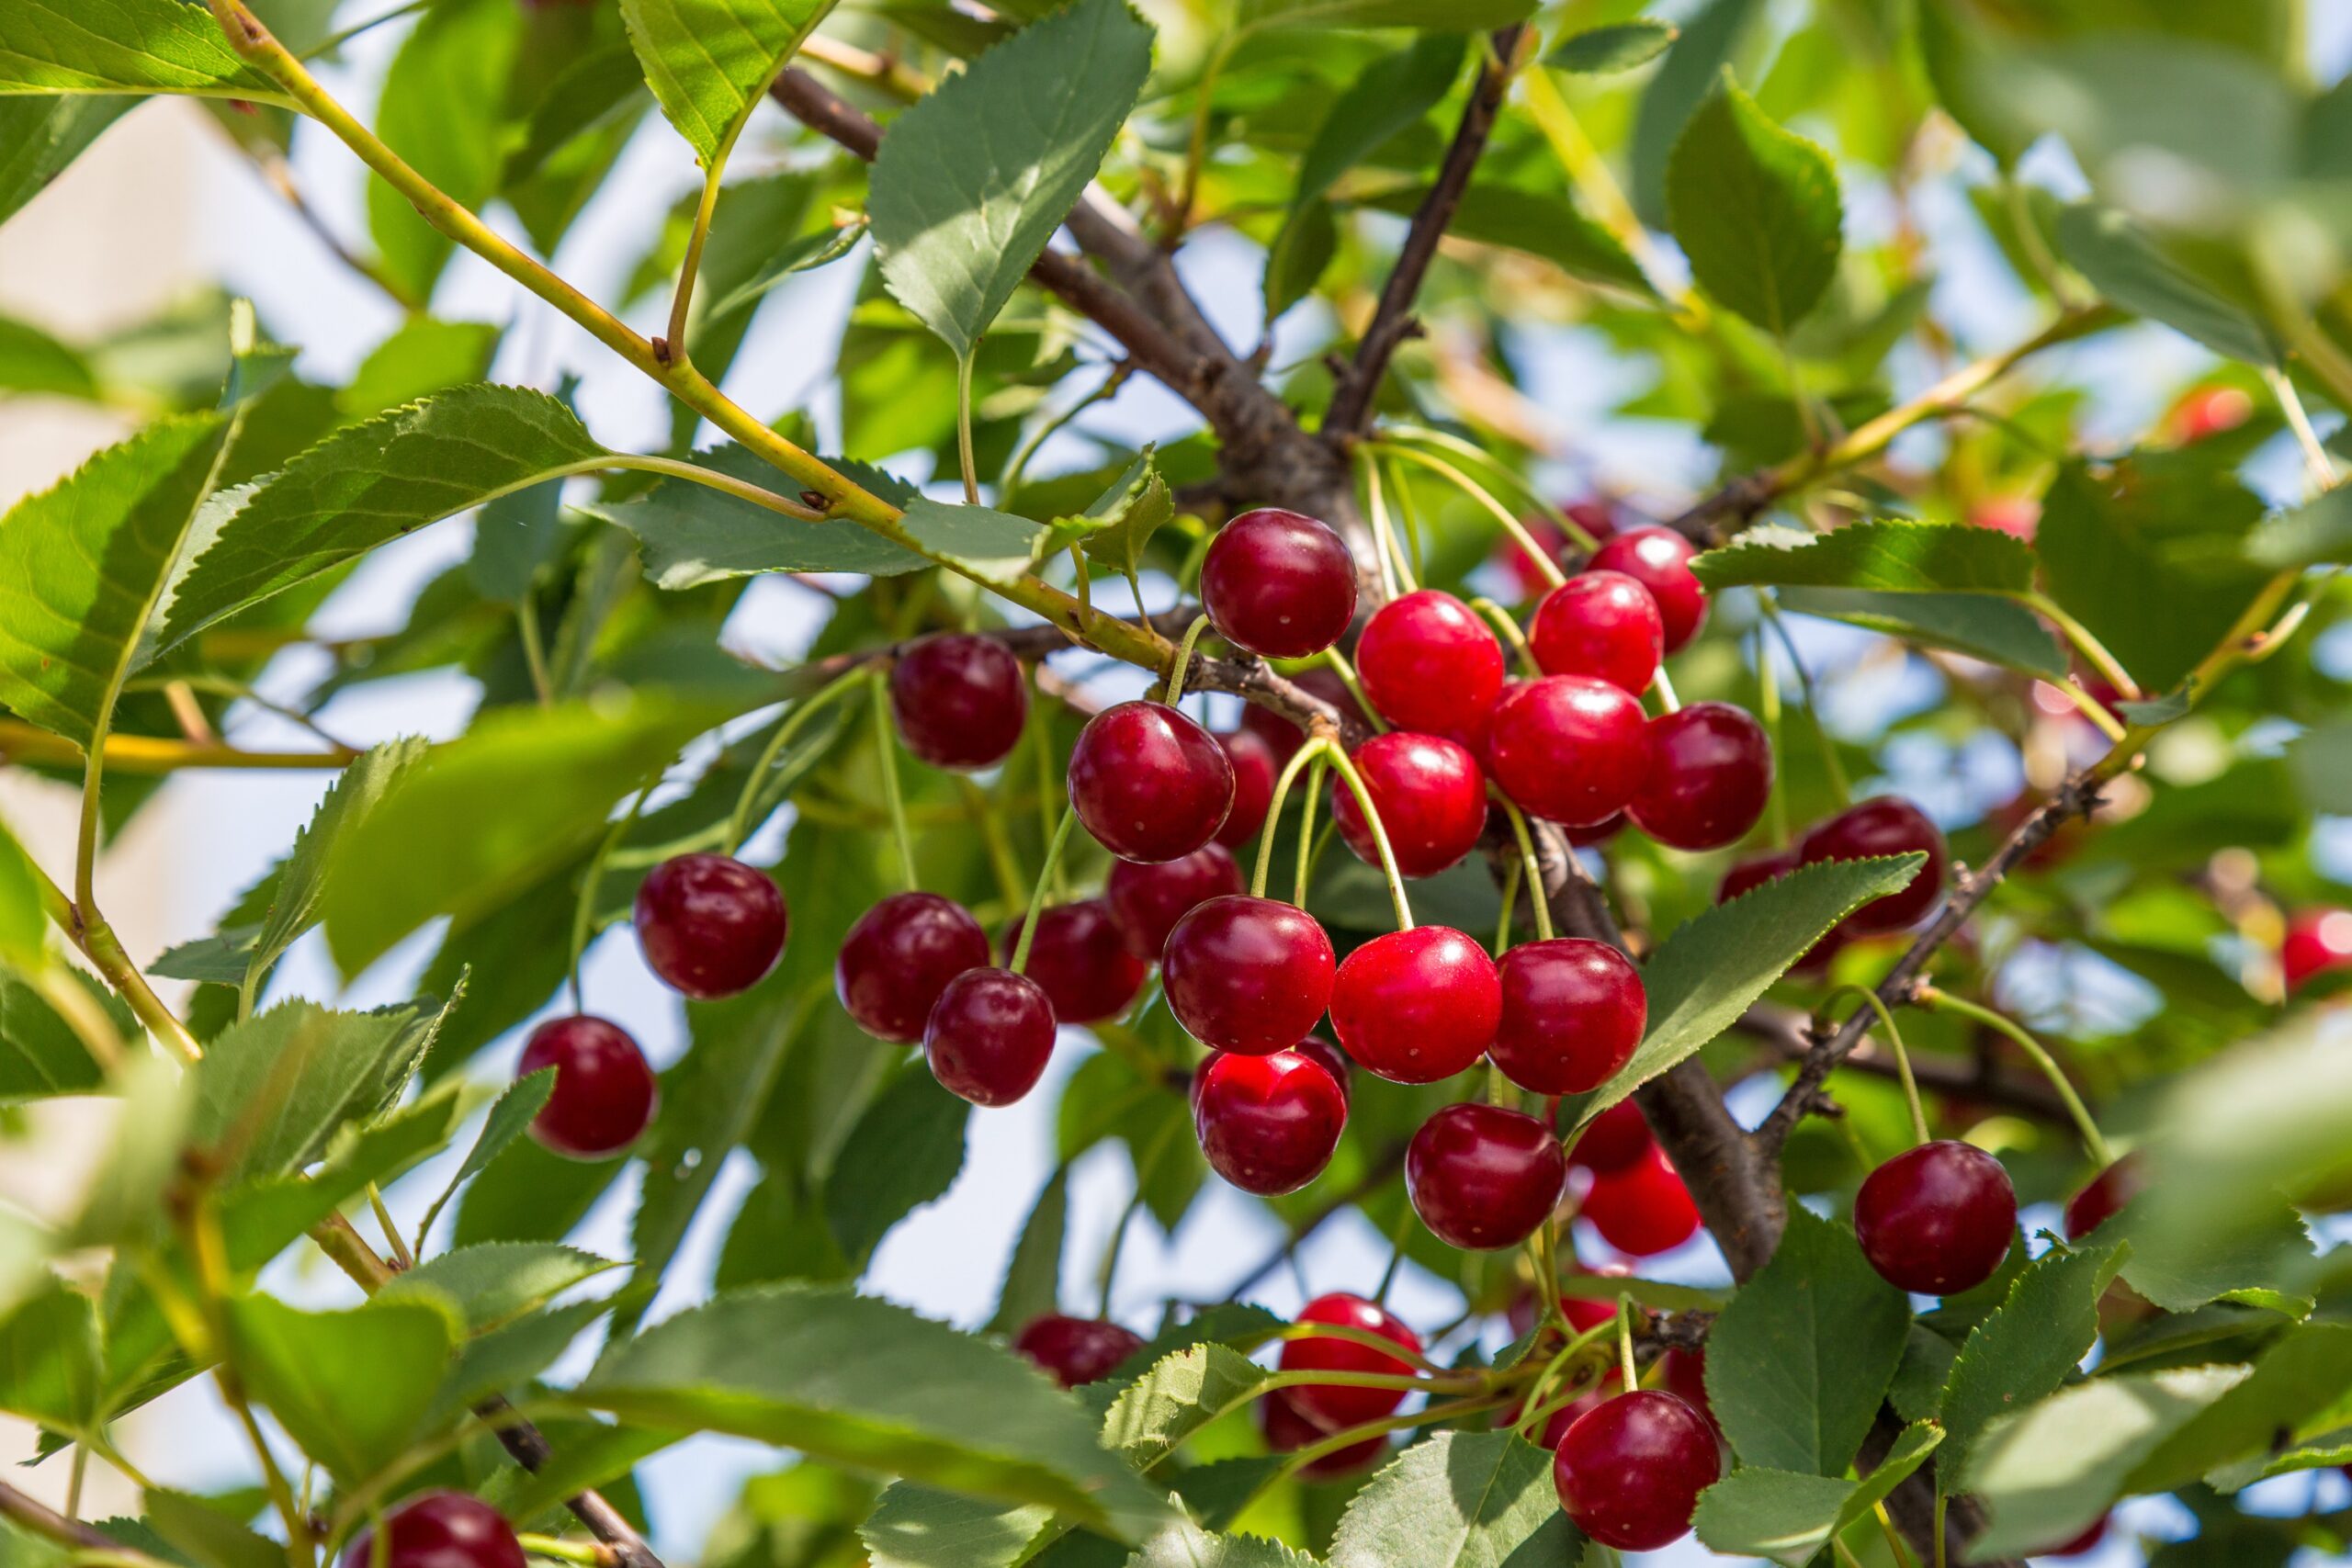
<point x="1785" y="1031"/>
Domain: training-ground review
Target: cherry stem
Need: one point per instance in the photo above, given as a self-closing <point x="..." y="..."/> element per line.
<point x="1376" y="504"/>
<point x="1935" y="1000"/>
<point x="1512" y="874"/>
<point x="1484" y="498"/>
<point x="584" y="914"/>
<point x="1371" y="818"/>
<point x="885" y="746"/>
<point x="1416" y="567"/>
<point x="1307" y="830"/>
<point x="963" y="428"/>
<point x="1894" y="1042"/>
<point x="1041" y="745"/>
<point x="1397" y="1235"/>
<point x="1045" y="884"/>
<point x="586" y="1553"/>
<point x="1291" y="770"/>
<point x="1568" y="526"/>
<point x="1547" y="1270"/>
<point x="1625" y="1343"/>
<point x="1535" y="899"/>
<point x="1365" y="1338"/>
<point x="1767" y="714"/>
<point x="738" y="821"/>
<point x="1509" y="629"/>
<point x="1839" y="788"/>
<point x="1347" y="674"/>
<point x="1664" y="685"/>
<point x="1183" y="658"/>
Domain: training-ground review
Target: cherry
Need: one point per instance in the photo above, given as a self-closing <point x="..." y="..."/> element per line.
<point x="1573" y="1011"/>
<point x="1745" y="876"/>
<point x="1582" y="1312"/>
<point x="2087" y="1541"/>
<point x="709" y="925"/>
<point x="603" y="1094"/>
<point x="441" y="1529"/>
<point x="1659" y="560"/>
<point x="2208" y="411"/>
<point x="1684" y="1373"/>
<point x="1938" y="1219"/>
<point x="1283" y="737"/>
<point x="1148" y="900"/>
<point x="1569" y="749"/>
<point x="899" y="956"/>
<point x="1602" y="624"/>
<point x="1416" y="1005"/>
<point x="1431" y="796"/>
<point x="1148" y="783"/>
<point x="1333" y="1060"/>
<point x="2104" y="1197"/>
<point x="1247" y="974"/>
<point x="1427" y="662"/>
<point x="1557" y="1425"/>
<point x="1333" y="1406"/>
<point x="1710" y="774"/>
<point x="2017" y="515"/>
<point x="1630" y="1471"/>
<point x="1885" y="826"/>
<point x="1483" y="1178"/>
<point x="1617" y="1137"/>
<point x="1267" y="1125"/>
<point x="2318" y="940"/>
<point x="960" y="701"/>
<point x="1599" y="832"/>
<point x="1642" y="1208"/>
<point x="1279" y="583"/>
<point x="1526" y="571"/>
<point x="1081" y="960"/>
<point x="989" y="1037"/>
<point x="1287" y="1431"/>
<point x="1076" y="1351"/>
<point x="1254" y="770"/>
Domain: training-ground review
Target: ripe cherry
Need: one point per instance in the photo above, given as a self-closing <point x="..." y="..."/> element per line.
<point x="603" y="1093"/>
<point x="1938" y="1219"/>
<point x="1254" y="769"/>
<point x="1630" y="1471"/>
<point x="989" y="1037"/>
<point x="1431" y="796"/>
<point x="1247" y="974"/>
<point x="1332" y="1406"/>
<point x="1279" y="583"/>
<point x="1148" y="900"/>
<point x="2017" y="515"/>
<point x="1286" y="1431"/>
<point x="1429" y="663"/>
<point x="899" y="956"/>
<point x="1283" y="737"/>
<point x="1684" y="1373"/>
<point x="2318" y="940"/>
<point x="1416" y="1005"/>
<point x="1267" y="1125"/>
<point x="1333" y="1060"/>
<point x="1573" y="1011"/>
<point x="1483" y="1178"/>
<point x="1745" y="876"/>
<point x="1076" y="1351"/>
<point x="709" y="925"/>
<point x="1710" y="774"/>
<point x="1148" y="783"/>
<point x="1659" y="560"/>
<point x="1617" y="1137"/>
<point x="1081" y="960"/>
<point x="1602" y="624"/>
<point x="1569" y="749"/>
<point x="2208" y="411"/>
<point x="2085" y="1542"/>
<point x="2104" y="1197"/>
<point x="1642" y="1208"/>
<point x="960" y="700"/>
<point x="1885" y="826"/>
<point x="441" y="1529"/>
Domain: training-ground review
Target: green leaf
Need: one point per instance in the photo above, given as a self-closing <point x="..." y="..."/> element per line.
<point x="709" y="61"/>
<point x="2180" y="1257"/>
<point x="1182" y="1392"/>
<point x="1601" y="50"/>
<point x="32" y="361"/>
<point x="1756" y="208"/>
<point x="124" y="1200"/>
<point x="904" y="1152"/>
<point x="972" y="181"/>
<point x="496" y="1282"/>
<point x="360" y="788"/>
<point x="123" y="46"/>
<point x="273" y="1091"/>
<point x="507" y="1358"/>
<point x="1883" y="555"/>
<point x="51" y="1370"/>
<point x="350" y="1388"/>
<point x="1123" y="518"/>
<point x="40" y="136"/>
<point x="1688" y="75"/>
<point x="2124" y="263"/>
<point x="41" y="1056"/>
<point x="996" y="546"/>
<point x="207" y="1532"/>
<point x="2300" y="1377"/>
<point x="587" y="1456"/>
<point x="1437" y="15"/>
<point x="2317" y="532"/>
<point x="919" y="1526"/>
<point x="1999" y="630"/>
<point x="442" y="111"/>
<point x="24" y="922"/>
<point x="2323" y="762"/>
<point x="689" y="534"/>
<point x="508" y="1118"/>
<point x="1789" y="1516"/>
<point x="423" y="358"/>
<point x="1460" y="1500"/>
<point x="1033" y="1278"/>
<point x="2025" y="1350"/>
<point x="805" y="254"/>
<point x="1186" y="1545"/>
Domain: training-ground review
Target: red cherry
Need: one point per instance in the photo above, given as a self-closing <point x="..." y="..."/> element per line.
<point x="1287" y="1431"/>
<point x="1081" y="960"/>
<point x="1431" y="796"/>
<point x="1076" y="1351"/>
<point x="989" y="1037"/>
<point x="1747" y="876"/>
<point x="1602" y="624"/>
<point x="1148" y="900"/>
<point x="1573" y="1011"/>
<point x="1283" y="737"/>
<point x="2318" y="940"/>
<point x="1427" y="662"/>
<point x="1483" y="1178"/>
<point x="1333" y="1406"/>
<point x="1630" y="1471"/>
<point x="1886" y="826"/>
<point x="1267" y="1125"/>
<point x="1557" y="1425"/>
<point x="1684" y="1373"/>
<point x="1642" y="1209"/>
<point x="441" y="1529"/>
<point x="1416" y="1005"/>
<point x="1526" y="573"/>
<point x="960" y="701"/>
<point x="1247" y="974"/>
<point x="1569" y="749"/>
<point x="2017" y="515"/>
<point x="603" y="1094"/>
<point x="1937" y="1220"/>
<point x="2208" y="411"/>
<point x="709" y="925"/>
<point x="1617" y="1137"/>
<point x="898" y="959"/>
<point x="1600" y="832"/>
<point x="1254" y="770"/>
<point x="1279" y="583"/>
<point x="1582" y="1312"/>
<point x="2104" y="1197"/>
<point x="1332" y="1060"/>
<point x="1659" y="560"/>
<point x="1148" y="783"/>
<point x="1710" y="774"/>
<point x="2087" y="1541"/>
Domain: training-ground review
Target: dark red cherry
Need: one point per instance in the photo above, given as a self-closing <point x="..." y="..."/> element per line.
<point x="1630" y="1471"/>
<point x="1938" y="1219"/>
<point x="1483" y="1178"/>
<point x="1747" y="876"/>
<point x="440" y="1530"/>
<point x="2318" y="942"/>
<point x="1427" y="662"/>
<point x="2104" y="1197"/>
<point x="990" y="1035"/>
<point x="1267" y="1125"/>
<point x="1416" y="1005"/>
<point x="709" y="925"/>
<point x="898" y="959"/>
<point x="1582" y="1312"/>
<point x="1602" y="624"/>
<point x="1247" y="974"/>
<point x="1710" y="774"/>
<point x="1573" y="1011"/>
<point x="1599" y="832"/>
<point x="1617" y="1137"/>
<point x="960" y="700"/>
<point x="1333" y="1406"/>
<point x="1287" y="1431"/>
<point x="1659" y="560"/>
<point x="1076" y="1351"/>
<point x="1081" y="960"/>
<point x="1148" y="900"/>
<point x="1334" y="1061"/>
<point x="603" y="1092"/>
<point x="1283" y="737"/>
<point x="1279" y="583"/>
<point x="1569" y="749"/>
<point x="1684" y="1373"/>
<point x="2087" y="1541"/>
<point x="1148" y="783"/>
<point x="1431" y="796"/>
<point x="1642" y="1208"/>
<point x="1886" y="826"/>
<point x="1254" y="770"/>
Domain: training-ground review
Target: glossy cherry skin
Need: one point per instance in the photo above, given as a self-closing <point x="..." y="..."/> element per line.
<point x="1331" y="1406"/>
<point x="1416" y="1005"/>
<point x="1081" y="959"/>
<point x="1747" y="876"/>
<point x="1886" y="826"/>
<point x="1573" y="1011"/>
<point x="709" y="925"/>
<point x="2087" y="1541"/>
<point x="1430" y="796"/>
<point x="1283" y="737"/>
<point x="989" y="1037"/>
<point x="1254" y="770"/>
<point x="1429" y="663"/>
<point x="1642" y="1208"/>
<point x="603" y="1094"/>
<point x="1938" y="1219"/>
<point x="1267" y="1125"/>
<point x="1247" y="974"/>
<point x="441" y="1529"/>
<point x="1617" y="1137"/>
<point x="1710" y="774"/>
<point x="1630" y="1471"/>
<point x="1279" y="583"/>
<point x="1483" y="1178"/>
<point x="960" y="701"/>
<point x="1659" y="560"/>
<point x="1569" y="749"/>
<point x="2104" y="1197"/>
<point x="1333" y="1060"/>
<point x="899" y="956"/>
<point x="1684" y="1373"/>
<point x="1148" y="783"/>
<point x="1602" y="624"/>
<point x="1148" y="900"/>
<point x="2318" y="940"/>
<point x="1287" y="1430"/>
<point x="1076" y="1351"/>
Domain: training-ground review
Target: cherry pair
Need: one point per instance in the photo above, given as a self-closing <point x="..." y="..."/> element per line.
<point x="1294" y="1417"/>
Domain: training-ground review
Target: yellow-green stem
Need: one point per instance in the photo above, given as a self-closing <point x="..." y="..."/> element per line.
<point x="1895" y="1043"/>
<point x="1044" y="885"/>
<point x="1355" y="784"/>
<point x="885" y="750"/>
<point x="1484" y="498"/>
<point x="1944" y="1001"/>
<point x="1527" y="857"/>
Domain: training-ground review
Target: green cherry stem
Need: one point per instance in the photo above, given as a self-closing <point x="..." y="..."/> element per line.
<point x="885" y="746"/>
<point x="1045" y="875"/>
<point x="738" y="821"/>
<point x="584" y="914"/>
<point x="1625" y="1343"/>
<point x="1664" y="687"/>
<point x="1291" y="770"/>
<point x="1935" y="1000"/>
<point x="1508" y="627"/>
<point x="1397" y="1235"/>
<point x="1183" y="656"/>
<point x="1484" y="498"/>
<point x="1355" y="784"/>
<point x="1376" y="507"/>
<point x="1535" y="899"/>
<point x="1895" y="1043"/>
<point x="1511" y="875"/>
<point x="1307" y="830"/>
<point x="1347" y="674"/>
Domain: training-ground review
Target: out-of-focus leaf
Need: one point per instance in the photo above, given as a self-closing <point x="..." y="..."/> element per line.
<point x="442" y="108"/>
<point x="1756" y="208"/>
<point x="1789" y="1516"/>
<point x="1619" y="47"/>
